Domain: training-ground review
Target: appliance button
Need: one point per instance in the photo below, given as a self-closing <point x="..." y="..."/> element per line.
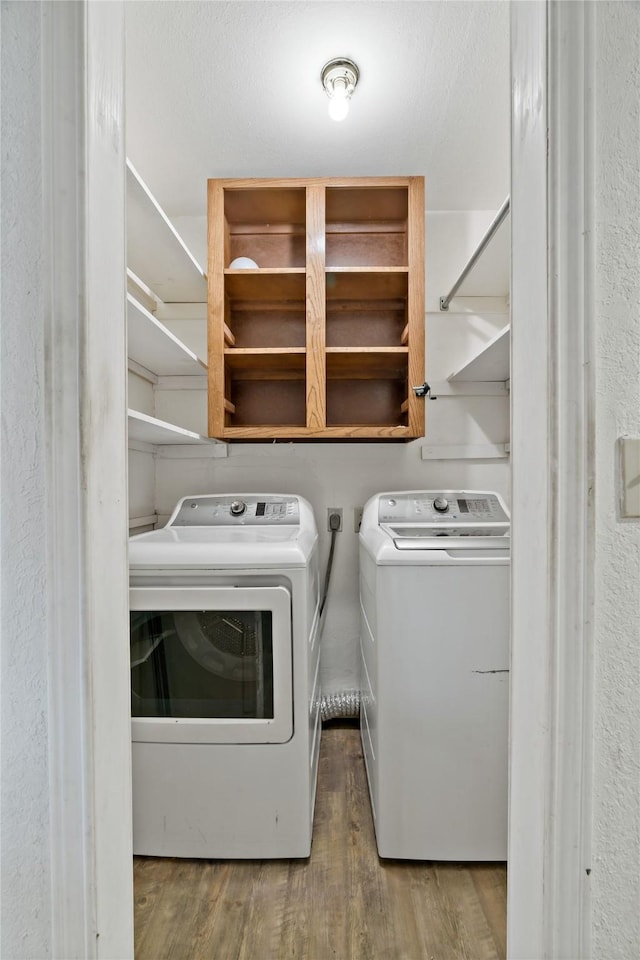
<point x="441" y="504"/>
<point x="237" y="508"/>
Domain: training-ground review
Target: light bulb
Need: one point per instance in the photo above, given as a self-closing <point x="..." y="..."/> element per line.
<point x="339" y="102"/>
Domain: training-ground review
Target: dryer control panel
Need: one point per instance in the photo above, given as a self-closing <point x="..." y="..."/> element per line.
<point x="441" y="507"/>
<point x="242" y="509"/>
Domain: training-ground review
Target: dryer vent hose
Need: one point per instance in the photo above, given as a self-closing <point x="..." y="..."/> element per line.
<point x="342" y="705"/>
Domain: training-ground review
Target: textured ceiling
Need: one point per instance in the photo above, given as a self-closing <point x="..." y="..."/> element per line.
<point x="233" y="89"/>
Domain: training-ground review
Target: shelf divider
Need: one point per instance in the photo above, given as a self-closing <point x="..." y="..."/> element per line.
<point x="315" y="324"/>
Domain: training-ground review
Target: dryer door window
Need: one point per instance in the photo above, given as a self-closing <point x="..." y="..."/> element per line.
<point x="211" y="664"/>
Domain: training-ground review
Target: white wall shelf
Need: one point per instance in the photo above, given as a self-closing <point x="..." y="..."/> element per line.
<point x="491" y="364"/>
<point x="155" y="250"/>
<point x="150" y="521"/>
<point x="146" y="429"/>
<point x="466" y="451"/>
<point x="154" y="347"/>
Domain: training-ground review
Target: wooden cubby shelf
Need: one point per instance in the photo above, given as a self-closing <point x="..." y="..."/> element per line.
<point x="324" y="337"/>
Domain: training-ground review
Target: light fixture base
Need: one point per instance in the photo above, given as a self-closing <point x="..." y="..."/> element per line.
<point x="342" y="69"/>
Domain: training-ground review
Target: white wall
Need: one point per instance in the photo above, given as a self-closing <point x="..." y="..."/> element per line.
<point x="616" y="795"/>
<point x="25" y="880"/>
<point x="347" y="474"/>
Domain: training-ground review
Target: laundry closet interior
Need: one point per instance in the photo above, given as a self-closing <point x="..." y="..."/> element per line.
<point x="300" y="351"/>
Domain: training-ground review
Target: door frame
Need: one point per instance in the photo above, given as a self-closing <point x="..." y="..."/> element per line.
<point x="84" y="395"/>
<point x="548" y="898"/>
<point x="548" y="913"/>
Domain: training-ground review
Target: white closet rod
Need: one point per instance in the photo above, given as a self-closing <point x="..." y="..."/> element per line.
<point x="499" y="217"/>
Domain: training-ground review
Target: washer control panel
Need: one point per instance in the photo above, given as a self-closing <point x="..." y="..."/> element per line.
<point x="243" y="509"/>
<point x="442" y="507"/>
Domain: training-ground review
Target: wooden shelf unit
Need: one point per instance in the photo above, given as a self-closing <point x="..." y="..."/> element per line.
<point x="325" y="338"/>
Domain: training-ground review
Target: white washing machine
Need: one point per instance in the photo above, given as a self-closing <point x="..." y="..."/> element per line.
<point x="224" y="679"/>
<point x="434" y="593"/>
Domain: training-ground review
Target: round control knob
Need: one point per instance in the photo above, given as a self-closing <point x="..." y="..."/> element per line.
<point x="237" y="508"/>
<point x="441" y="504"/>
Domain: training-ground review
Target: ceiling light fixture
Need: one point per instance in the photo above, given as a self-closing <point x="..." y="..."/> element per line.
<point x="339" y="78"/>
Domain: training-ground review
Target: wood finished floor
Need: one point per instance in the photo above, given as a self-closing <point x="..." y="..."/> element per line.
<point x="343" y="903"/>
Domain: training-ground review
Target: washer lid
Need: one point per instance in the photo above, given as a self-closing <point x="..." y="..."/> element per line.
<point x="451" y="525"/>
<point x="432" y="537"/>
<point x="230" y="531"/>
<point x="221" y="548"/>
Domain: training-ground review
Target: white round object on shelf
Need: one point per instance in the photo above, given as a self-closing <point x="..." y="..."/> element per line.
<point x="243" y="263"/>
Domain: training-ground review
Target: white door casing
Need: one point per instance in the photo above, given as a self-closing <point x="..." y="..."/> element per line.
<point x="552" y="482"/>
<point x="85" y="398"/>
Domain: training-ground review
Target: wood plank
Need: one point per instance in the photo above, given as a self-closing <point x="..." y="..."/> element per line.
<point x="229" y="407"/>
<point x="259" y="306"/>
<point x="404" y="337"/>
<point x="367" y="362"/>
<point x="247" y="202"/>
<point x="370" y="327"/>
<point x="316" y="330"/>
<point x="262" y="404"/>
<point x="253" y="183"/>
<point x="368" y="227"/>
<point x="416" y="304"/>
<point x="270" y="328"/>
<point x="365" y="401"/>
<point x="349" y="431"/>
<point x="217" y="309"/>
<point x="270" y="249"/>
<point x="342" y="903"/>
<point x="491" y="889"/>
<point x="267" y="284"/>
<point x="228" y="336"/>
<point x="366" y="250"/>
<point x="363" y="203"/>
<point x="265" y="361"/>
<point x="254" y="228"/>
<point x="361" y="283"/>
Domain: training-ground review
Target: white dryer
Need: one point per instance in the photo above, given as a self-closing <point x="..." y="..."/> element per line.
<point x="434" y="593"/>
<point x="224" y="679"/>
